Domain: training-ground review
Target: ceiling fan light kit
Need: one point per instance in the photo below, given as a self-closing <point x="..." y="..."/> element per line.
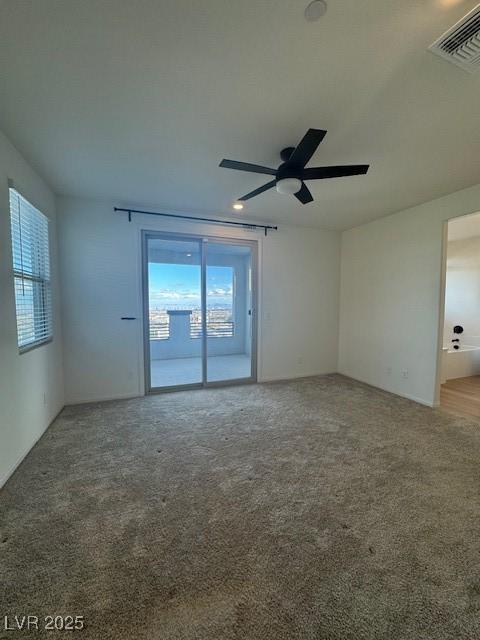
<point x="289" y="178"/>
<point x="288" y="186"/>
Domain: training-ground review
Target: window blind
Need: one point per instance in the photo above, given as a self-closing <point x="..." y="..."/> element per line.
<point x="31" y="271"/>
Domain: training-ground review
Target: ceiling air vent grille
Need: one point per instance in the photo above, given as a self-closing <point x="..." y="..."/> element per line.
<point x="461" y="43"/>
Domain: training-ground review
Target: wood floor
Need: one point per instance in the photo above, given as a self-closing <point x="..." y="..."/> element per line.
<point x="461" y="396"/>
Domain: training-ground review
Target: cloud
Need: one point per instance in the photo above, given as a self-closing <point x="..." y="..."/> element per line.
<point x="220" y="291"/>
<point x="174" y="293"/>
<point x="189" y="294"/>
<point x="189" y="298"/>
<point x="174" y="297"/>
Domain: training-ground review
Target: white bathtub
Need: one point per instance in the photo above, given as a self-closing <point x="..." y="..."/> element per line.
<point x="460" y="363"/>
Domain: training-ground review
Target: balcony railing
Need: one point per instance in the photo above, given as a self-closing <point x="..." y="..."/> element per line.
<point x="159" y="330"/>
<point x="215" y="329"/>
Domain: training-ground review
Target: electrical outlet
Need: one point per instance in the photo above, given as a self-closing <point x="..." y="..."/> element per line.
<point x="389" y="371"/>
<point x="404" y="373"/>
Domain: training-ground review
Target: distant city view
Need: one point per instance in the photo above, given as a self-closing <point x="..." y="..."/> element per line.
<point x="177" y="287"/>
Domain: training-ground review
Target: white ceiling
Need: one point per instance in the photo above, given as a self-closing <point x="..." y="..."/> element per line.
<point x="464" y="227"/>
<point x="138" y="101"/>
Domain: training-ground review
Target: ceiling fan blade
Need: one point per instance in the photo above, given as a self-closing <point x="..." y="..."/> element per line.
<point x="304" y="194"/>
<point x="246" y="166"/>
<point x="318" y="173"/>
<point x="256" y="192"/>
<point x="307" y="147"/>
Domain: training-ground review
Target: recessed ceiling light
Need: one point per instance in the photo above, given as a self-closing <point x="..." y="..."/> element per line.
<point x="450" y="3"/>
<point x="189" y="255"/>
<point x="238" y="206"/>
<point x="315" y="10"/>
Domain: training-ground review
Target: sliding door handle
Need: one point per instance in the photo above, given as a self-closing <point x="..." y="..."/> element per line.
<point x="127" y="318"/>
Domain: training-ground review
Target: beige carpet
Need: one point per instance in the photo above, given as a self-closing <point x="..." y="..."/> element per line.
<point x="318" y="508"/>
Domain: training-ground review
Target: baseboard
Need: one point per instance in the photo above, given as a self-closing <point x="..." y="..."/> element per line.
<point x="16" y="464"/>
<point x="6" y="476"/>
<point x="294" y="377"/>
<point x="126" y="396"/>
<point x="426" y="403"/>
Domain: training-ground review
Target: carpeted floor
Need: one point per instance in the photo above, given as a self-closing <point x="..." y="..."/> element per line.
<point x="314" y="509"/>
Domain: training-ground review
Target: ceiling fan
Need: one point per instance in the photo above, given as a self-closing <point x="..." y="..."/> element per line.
<point x="290" y="176"/>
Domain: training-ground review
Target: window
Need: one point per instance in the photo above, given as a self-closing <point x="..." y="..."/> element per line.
<point x="31" y="270"/>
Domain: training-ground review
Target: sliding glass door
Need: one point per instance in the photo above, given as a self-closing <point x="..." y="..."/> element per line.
<point x="199" y="298"/>
<point x="174" y="316"/>
<point x="229" y="311"/>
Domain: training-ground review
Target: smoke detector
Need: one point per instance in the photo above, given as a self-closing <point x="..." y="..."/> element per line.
<point x="315" y="10"/>
<point x="461" y="43"/>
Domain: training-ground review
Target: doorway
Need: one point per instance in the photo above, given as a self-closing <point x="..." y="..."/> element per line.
<point x="199" y="311"/>
<point x="460" y="354"/>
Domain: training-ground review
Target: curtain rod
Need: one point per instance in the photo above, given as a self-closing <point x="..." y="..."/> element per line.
<point x="245" y="225"/>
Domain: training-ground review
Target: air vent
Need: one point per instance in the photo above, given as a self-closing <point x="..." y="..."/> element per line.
<point x="461" y="43"/>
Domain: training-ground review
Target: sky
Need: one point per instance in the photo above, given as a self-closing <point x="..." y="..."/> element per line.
<point x="178" y="286"/>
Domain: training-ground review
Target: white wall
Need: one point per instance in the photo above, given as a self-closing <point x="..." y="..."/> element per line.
<point x="462" y="289"/>
<point x="101" y="281"/>
<point x="31" y="384"/>
<point x="391" y="295"/>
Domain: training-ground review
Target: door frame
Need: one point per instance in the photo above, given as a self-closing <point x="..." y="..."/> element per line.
<point x="203" y="241"/>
